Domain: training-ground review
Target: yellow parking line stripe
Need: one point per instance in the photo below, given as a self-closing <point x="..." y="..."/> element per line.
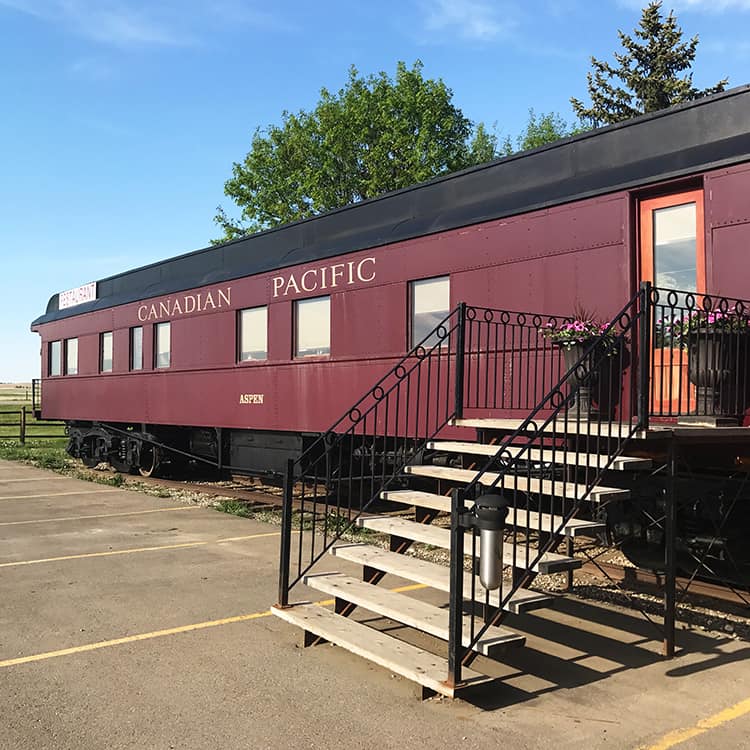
<point x="133" y="550"/>
<point x="711" y="722"/>
<point x="56" y="494"/>
<point x="25" y="479"/>
<point x="132" y="639"/>
<point x="100" y="515"/>
<point x="162" y="633"/>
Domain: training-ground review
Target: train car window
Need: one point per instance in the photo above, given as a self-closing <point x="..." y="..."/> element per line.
<point x="55" y="358"/>
<point x="253" y="334"/>
<point x="105" y="352"/>
<point x="312" y="327"/>
<point x="162" y="344"/>
<point x="136" y="348"/>
<point x="71" y="356"/>
<point x="430" y="303"/>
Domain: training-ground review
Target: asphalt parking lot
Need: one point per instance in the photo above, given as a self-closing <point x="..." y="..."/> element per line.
<point x="129" y="621"/>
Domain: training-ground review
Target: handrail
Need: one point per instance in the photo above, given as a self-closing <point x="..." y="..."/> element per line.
<point x="344" y="471"/>
<point x="386" y="428"/>
<point x="555" y="421"/>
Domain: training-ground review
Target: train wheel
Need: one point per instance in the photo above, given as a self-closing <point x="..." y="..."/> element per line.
<point x="88" y="453"/>
<point x="150" y="460"/>
<point x="122" y="466"/>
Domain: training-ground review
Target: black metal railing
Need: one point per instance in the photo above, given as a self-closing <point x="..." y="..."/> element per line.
<point x="451" y="370"/>
<point x="511" y="361"/>
<point x="343" y="473"/>
<point x="699" y="355"/>
<point x="665" y="354"/>
<point x="547" y="468"/>
<point x="36" y="396"/>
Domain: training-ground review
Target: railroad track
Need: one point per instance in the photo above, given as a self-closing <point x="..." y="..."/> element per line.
<point x="255" y="497"/>
<point x="648" y="579"/>
<point x="267" y="497"/>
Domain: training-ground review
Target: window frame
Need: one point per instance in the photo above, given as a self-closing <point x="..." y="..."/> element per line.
<point x="411" y="340"/>
<point x="239" y="329"/>
<point x="66" y="356"/>
<point x="51" y="359"/>
<point x="131" y="349"/>
<point x="298" y="304"/>
<point x="102" y="337"/>
<point x="162" y="326"/>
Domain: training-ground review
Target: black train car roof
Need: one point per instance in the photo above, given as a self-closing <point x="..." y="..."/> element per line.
<point x="687" y="139"/>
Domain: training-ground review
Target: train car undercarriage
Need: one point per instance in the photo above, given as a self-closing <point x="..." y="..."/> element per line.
<point x="153" y="450"/>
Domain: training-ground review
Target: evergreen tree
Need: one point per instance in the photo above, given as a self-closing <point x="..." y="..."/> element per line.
<point x="649" y="69"/>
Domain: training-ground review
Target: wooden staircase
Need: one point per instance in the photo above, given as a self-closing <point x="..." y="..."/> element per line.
<point x="420" y="515"/>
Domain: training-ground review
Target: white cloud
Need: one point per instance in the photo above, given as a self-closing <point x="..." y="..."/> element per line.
<point x="140" y="23"/>
<point x="475" y="20"/>
<point x="697" y="6"/>
<point x="110" y="22"/>
<point x="709" y="6"/>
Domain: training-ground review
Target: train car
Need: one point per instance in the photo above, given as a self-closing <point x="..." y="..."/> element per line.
<point x="238" y="355"/>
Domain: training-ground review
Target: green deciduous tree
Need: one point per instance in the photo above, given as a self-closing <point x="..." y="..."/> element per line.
<point x="649" y="69"/>
<point x="540" y="130"/>
<point x="373" y="136"/>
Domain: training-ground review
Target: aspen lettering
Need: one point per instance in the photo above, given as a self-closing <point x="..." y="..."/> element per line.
<point x="251" y="398"/>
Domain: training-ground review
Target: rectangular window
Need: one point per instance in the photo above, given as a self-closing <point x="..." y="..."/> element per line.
<point x="136" y="348"/>
<point x="253" y="334"/>
<point x="312" y="327"/>
<point x="71" y="356"/>
<point x="430" y="303"/>
<point x="162" y="345"/>
<point x="105" y="352"/>
<point x="55" y="358"/>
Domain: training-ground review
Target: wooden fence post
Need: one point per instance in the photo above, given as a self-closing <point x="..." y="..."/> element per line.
<point x="22" y="427"/>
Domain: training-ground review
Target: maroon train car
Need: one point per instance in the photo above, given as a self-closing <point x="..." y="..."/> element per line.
<point x="237" y="354"/>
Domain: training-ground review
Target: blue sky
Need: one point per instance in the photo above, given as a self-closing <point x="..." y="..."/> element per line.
<point x="122" y="118"/>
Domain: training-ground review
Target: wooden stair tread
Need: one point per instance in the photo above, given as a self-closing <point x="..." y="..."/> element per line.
<point x="409" y="611"/>
<point x="559" y="456"/>
<point x="569" y="490"/>
<point x="435" y="576"/>
<point x="437" y="536"/>
<point x="592" y="428"/>
<point x="519" y="518"/>
<point x="410" y="662"/>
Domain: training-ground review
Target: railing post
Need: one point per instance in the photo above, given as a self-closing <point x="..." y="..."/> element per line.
<point x="670" y="560"/>
<point x="286" y="535"/>
<point x="460" y="357"/>
<point x="644" y="355"/>
<point x="22" y="427"/>
<point x="455" y="622"/>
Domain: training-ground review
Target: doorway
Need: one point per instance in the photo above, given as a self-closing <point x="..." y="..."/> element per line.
<point x="673" y="259"/>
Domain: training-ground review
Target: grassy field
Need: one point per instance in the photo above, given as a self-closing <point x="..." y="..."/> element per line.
<point x="13" y="398"/>
<point x="15" y="395"/>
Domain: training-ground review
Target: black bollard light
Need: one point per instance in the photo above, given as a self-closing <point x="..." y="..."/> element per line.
<point x="488" y="515"/>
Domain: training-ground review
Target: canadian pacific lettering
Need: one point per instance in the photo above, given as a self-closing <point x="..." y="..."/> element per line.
<point x="325" y="278"/>
<point x="186" y="304"/>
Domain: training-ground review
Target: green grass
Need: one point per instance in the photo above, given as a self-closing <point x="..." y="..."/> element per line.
<point x="46" y="454"/>
<point x="235" y="508"/>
